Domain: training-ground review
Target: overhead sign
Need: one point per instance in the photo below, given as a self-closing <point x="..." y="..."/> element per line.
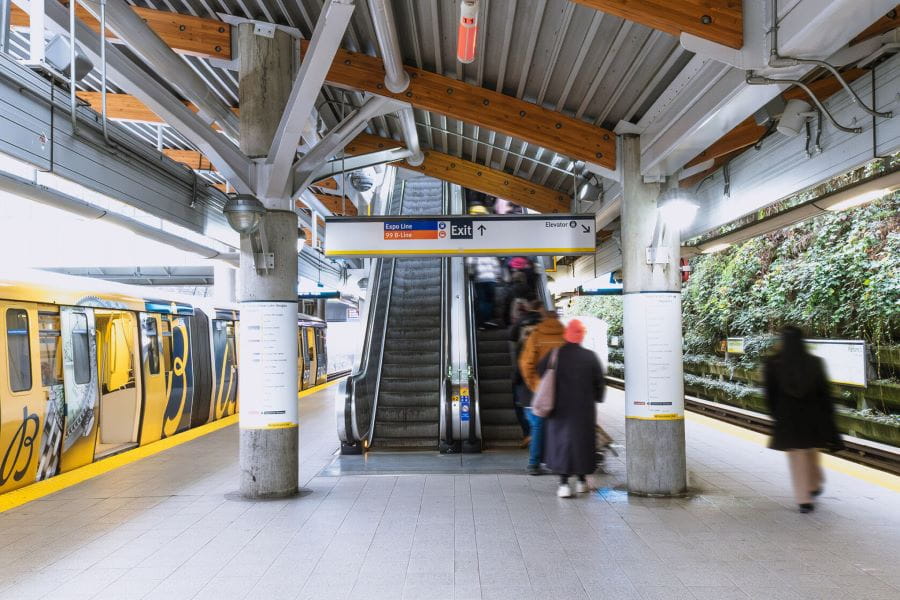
<point x="318" y="294"/>
<point x="497" y="235"/>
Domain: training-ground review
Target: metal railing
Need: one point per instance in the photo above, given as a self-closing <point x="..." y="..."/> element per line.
<point x="473" y="440"/>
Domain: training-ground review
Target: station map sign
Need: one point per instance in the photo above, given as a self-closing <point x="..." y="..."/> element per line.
<point x="496" y="235"/>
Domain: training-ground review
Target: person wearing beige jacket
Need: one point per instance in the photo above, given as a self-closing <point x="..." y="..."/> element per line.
<point x="546" y="336"/>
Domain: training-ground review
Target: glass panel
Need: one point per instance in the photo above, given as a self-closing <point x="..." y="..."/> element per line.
<point x="19" y="350"/>
<point x="152" y="335"/>
<point x="81" y="349"/>
<point x="51" y="356"/>
<point x="166" y="344"/>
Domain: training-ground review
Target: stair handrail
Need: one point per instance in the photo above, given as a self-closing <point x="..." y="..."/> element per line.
<point x="474" y="438"/>
<point x="445" y="433"/>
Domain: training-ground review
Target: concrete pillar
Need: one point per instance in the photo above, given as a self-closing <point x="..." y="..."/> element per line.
<point x="654" y="386"/>
<point x="269" y="449"/>
<point x="266" y="75"/>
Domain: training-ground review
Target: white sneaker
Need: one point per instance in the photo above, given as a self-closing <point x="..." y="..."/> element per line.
<point x="564" y="491"/>
<point x="581" y="487"/>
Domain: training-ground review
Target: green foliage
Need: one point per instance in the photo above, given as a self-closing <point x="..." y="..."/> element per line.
<point x="608" y="308"/>
<point x="837" y="275"/>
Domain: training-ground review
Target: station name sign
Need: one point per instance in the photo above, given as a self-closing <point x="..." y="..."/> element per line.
<point x="497" y="235"/>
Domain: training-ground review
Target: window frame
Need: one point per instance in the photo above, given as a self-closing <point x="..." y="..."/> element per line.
<point x="9" y="353"/>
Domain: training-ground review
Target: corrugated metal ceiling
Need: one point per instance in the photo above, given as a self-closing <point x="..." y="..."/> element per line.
<point x="561" y="55"/>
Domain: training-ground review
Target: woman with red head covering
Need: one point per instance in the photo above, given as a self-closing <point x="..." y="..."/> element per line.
<point x="570" y="447"/>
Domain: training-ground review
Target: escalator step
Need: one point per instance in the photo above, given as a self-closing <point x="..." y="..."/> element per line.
<point x="502" y="416"/>
<point x="426" y="443"/>
<point x="490" y="372"/>
<point x="407" y="414"/>
<point x="414" y="429"/>
<point x="393" y="398"/>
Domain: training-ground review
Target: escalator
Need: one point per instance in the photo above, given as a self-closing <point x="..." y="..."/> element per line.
<point x="409" y="402"/>
<point x="394" y="397"/>
<point x="499" y="426"/>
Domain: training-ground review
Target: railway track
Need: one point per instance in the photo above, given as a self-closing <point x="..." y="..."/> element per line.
<point x="866" y="452"/>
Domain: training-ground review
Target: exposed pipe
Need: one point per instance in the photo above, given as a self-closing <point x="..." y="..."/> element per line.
<point x="163" y="60"/>
<point x="102" y="69"/>
<point x="395" y="78"/>
<point x="758" y="80"/>
<point x="410" y="136"/>
<point x="73" y="102"/>
<point x="785" y="61"/>
<point x="31" y="190"/>
<point x="5" y="6"/>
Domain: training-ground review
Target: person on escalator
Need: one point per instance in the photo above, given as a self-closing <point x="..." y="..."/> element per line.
<point x="547" y="336"/>
<point x="569" y="429"/>
<point x="485" y="272"/>
<point x="522" y="327"/>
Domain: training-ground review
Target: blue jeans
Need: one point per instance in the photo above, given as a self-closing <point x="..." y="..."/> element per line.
<point x="536" y="448"/>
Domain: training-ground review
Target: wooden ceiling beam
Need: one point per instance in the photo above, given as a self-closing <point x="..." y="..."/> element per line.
<point x="337" y="204"/>
<point x="720" y="21"/>
<point x="571" y="137"/>
<point x="185" y="34"/>
<point x="473" y="176"/>
<point x="883" y="25"/>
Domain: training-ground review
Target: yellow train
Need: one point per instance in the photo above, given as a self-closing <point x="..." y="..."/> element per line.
<point x="91" y="368"/>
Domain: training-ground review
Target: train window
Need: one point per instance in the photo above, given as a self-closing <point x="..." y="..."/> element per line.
<point x="229" y="339"/>
<point x="81" y="348"/>
<point x="19" y="350"/>
<point x="152" y="335"/>
<point x="51" y="356"/>
<point x="320" y="345"/>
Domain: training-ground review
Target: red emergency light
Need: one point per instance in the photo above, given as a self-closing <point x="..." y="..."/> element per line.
<point x="468" y="31"/>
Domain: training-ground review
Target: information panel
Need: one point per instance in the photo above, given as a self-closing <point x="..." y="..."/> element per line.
<point x="498" y="235"/>
<point x="845" y="360"/>
<point x="268" y="359"/>
<point x="654" y="388"/>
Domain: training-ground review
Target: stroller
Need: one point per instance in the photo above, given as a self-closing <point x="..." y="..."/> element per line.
<point x="604" y="444"/>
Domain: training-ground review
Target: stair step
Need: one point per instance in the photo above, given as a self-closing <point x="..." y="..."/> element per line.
<point x="494" y="359"/>
<point x="393" y="398"/>
<point x="508" y="435"/>
<point x="408" y="414"/>
<point x="498" y="416"/>
<point x="414" y="429"/>
<point x="405" y="371"/>
<point x="492" y="346"/>
<point x="491" y="372"/>
<point x="425" y="443"/>
<point x="409" y="387"/>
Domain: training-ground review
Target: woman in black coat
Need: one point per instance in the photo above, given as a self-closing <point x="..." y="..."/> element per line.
<point x="569" y="443"/>
<point x="799" y="401"/>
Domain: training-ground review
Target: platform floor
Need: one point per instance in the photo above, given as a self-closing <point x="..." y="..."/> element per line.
<point x="170" y="527"/>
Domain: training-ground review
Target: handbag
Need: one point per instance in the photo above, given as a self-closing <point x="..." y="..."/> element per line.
<point x="545" y="396"/>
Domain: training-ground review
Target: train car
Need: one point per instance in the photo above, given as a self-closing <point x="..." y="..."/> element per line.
<point x="90" y="368"/>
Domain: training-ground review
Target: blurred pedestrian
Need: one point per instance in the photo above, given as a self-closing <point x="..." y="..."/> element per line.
<point x="546" y="336"/>
<point x="799" y="400"/>
<point x="522" y="327"/>
<point x="570" y="429"/>
<point x="485" y="272"/>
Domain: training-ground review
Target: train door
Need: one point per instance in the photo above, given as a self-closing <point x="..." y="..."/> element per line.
<point x="21" y="396"/>
<point x="310" y="336"/>
<point x="120" y="397"/>
<point x="154" y="378"/>
<point x="304" y="361"/>
<point x="177" y="364"/>
<point x="321" y="356"/>
<point x="225" y="369"/>
<point x="50" y="340"/>
<point x="79" y="340"/>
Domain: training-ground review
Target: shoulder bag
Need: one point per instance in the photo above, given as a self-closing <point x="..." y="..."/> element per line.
<point x="544" y="399"/>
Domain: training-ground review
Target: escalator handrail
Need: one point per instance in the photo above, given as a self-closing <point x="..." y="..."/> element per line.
<point x="472" y="360"/>
<point x="361" y="369"/>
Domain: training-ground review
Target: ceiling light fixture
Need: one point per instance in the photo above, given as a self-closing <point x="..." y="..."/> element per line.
<point x="468" y="31"/>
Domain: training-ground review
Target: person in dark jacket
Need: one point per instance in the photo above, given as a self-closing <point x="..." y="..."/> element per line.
<point x="570" y="447"/>
<point x="799" y="401"/>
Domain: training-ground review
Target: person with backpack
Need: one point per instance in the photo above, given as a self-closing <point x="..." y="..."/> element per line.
<point x="546" y="336"/>
<point x="578" y="385"/>
<point x="799" y="401"/>
<point x="522" y="327"/>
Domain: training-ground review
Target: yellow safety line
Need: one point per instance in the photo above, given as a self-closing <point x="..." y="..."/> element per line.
<point x="319" y="388"/>
<point x="452" y="252"/>
<point x="62" y="481"/>
<point x="841" y="465"/>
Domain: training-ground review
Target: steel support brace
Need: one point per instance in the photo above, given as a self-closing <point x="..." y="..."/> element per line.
<point x="304" y="169"/>
<point x="230" y="162"/>
<point x="326" y="40"/>
<point x="361" y="161"/>
<point x="122" y="19"/>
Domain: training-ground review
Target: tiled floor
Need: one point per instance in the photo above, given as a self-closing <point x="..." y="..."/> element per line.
<point x="169" y="527"/>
